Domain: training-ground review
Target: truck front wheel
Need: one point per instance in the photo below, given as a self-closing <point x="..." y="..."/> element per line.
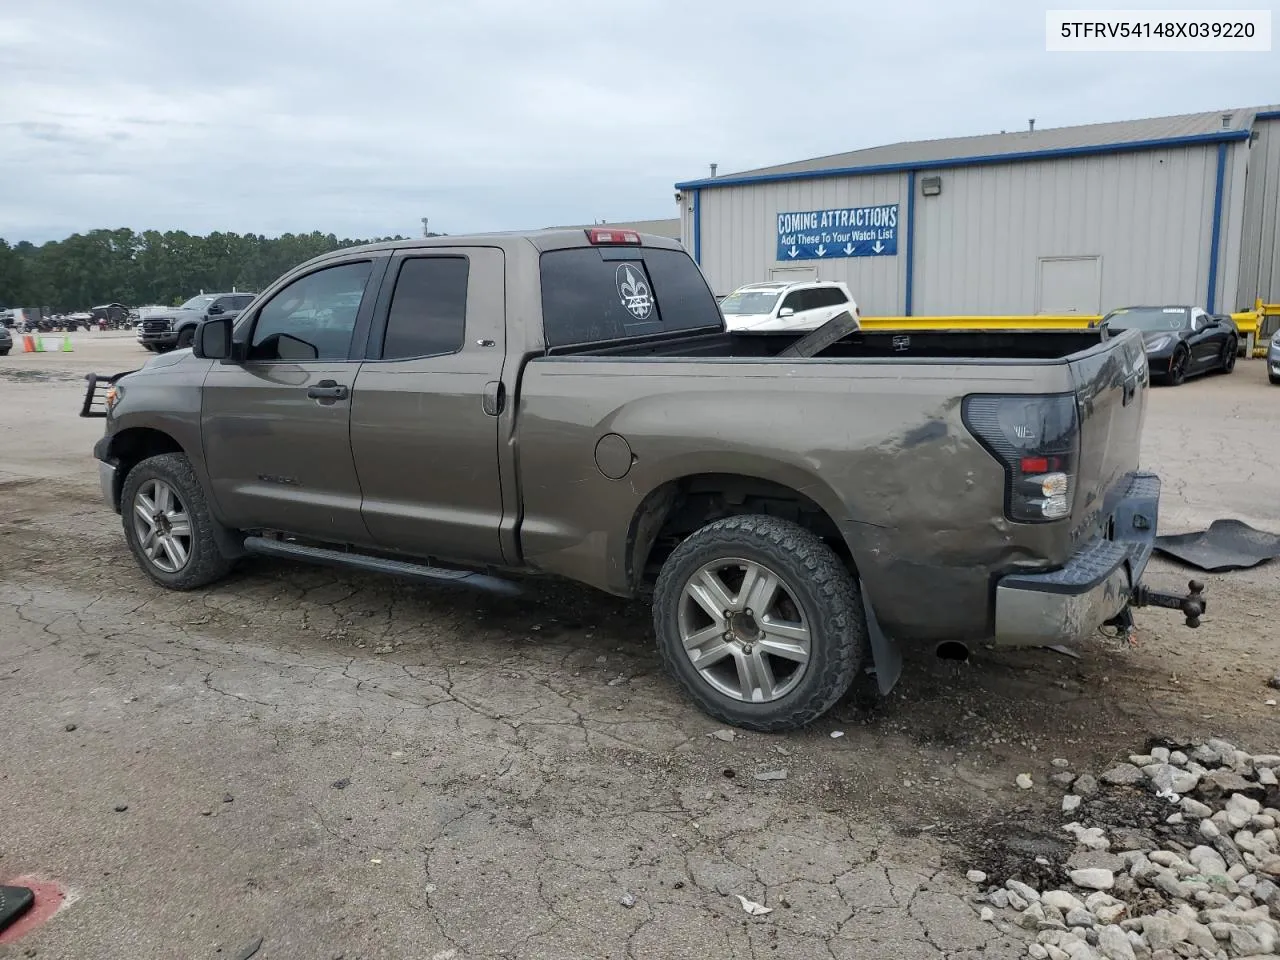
<point x="760" y="622"/>
<point x="168" y="524"/>
<point x="185" y="337"/>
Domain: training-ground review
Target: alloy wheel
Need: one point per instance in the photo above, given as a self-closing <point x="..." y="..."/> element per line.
<point x="162" y="526"/>
<point x="743" y="630"/>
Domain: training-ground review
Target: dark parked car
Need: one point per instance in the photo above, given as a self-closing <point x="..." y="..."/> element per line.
<point x="6" y="341"/>
<point x="1181" y="341"/>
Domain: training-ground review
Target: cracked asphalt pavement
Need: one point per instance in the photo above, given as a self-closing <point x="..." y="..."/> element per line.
<point x="353" y="766"/>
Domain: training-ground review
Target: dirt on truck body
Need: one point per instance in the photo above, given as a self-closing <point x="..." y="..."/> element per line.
<point x="569" y="402"/>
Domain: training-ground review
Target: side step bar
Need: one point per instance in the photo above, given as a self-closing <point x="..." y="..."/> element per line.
<point x="399" y="568"/>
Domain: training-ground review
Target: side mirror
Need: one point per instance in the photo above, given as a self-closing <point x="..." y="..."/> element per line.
<point x="213" y="339"/>
<point x="215" y="309"/>
<point x="786" y="312"/>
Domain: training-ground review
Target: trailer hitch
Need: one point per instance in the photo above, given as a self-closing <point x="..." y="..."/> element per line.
<point x="1193" y="605"/>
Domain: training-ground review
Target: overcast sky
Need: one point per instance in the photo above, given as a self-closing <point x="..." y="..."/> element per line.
<point x="360" y="118"/>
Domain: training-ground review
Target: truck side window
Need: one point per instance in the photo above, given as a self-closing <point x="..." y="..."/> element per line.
<point x="313" y="317"/>
<point x="428" y="315"/>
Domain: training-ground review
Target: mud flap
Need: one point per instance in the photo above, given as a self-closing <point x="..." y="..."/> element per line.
<point x="886" y="657"/>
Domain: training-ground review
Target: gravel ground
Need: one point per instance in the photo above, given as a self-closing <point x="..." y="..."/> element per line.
<point x="351" y="766"/>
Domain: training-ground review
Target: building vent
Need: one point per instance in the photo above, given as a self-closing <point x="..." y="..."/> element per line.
<point x="931" y="186"/>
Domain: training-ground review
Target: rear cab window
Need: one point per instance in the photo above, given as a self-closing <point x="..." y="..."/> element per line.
<point x="601" y="294"/>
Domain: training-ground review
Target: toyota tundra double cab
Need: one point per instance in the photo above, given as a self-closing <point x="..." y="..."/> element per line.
<point x="467" y="409"/>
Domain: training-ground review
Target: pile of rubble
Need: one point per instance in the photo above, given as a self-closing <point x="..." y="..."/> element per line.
<point x="1201" y="881"/>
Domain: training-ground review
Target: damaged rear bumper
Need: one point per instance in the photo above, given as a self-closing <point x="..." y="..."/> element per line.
<point x="1096" y="585"/>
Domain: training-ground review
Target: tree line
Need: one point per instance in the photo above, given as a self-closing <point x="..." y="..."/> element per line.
<point x="122" y="266"/>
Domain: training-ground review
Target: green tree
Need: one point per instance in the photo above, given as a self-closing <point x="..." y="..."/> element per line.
<point x="120" y="265"/>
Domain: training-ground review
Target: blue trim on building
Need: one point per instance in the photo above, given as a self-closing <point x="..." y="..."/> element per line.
<point x="1267" y="115"/>
<point x="911" y="240"/>
<point x="697" y="228"/>
<point x="1199" y="139"/>
<point x="1211" y="297"/>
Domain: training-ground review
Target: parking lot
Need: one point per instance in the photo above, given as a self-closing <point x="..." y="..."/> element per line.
<point x="351" y="766"/>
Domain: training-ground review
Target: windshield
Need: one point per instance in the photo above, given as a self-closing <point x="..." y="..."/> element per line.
<point x="195" y="303"/>
<point x="1148" y="319"/>
<point x="749" y="302"/>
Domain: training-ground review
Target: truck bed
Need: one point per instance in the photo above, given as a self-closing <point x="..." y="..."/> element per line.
<point x="1017" y="346"/>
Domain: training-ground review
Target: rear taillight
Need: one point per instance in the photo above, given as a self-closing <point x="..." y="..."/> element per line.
<point x="1037" y="440"/>
<point x="610" y="235"/>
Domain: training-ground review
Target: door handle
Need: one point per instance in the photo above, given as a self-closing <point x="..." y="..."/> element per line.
<point x="327" y="390"/>
<point x="492" y="400"/>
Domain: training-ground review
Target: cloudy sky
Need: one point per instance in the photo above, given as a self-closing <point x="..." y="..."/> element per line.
<point x="362" y="117"/>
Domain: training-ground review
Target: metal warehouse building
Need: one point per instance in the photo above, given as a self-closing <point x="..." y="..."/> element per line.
<point x="1066" y="220"/>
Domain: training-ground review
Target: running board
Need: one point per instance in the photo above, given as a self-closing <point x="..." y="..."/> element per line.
<point x="399" y="568"/>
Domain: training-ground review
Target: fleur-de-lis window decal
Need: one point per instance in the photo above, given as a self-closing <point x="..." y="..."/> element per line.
<point x="633" y="291"/>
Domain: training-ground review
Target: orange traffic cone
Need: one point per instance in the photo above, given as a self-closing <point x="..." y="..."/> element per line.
<point x="28" y="343"/>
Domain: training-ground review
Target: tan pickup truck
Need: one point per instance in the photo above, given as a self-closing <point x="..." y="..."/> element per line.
<point x="570" y="403"/>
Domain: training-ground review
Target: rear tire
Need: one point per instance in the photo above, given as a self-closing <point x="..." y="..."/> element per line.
<point x="730" y="665"/>
<point x="1178" y="364"/>
<point x="1274" y="378"/>
<point x="166" y="485"/>
<point x="1229" y="354"/>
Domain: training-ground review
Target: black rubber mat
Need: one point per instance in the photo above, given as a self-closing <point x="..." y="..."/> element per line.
<point x="1226" y="545"/>
<point x="14" y="902"/>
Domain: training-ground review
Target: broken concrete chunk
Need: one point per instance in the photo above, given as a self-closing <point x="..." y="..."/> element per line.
<point x="1026" y="892"/>
<point x="1123" y="774"/>
<point x="1095" y="878"/>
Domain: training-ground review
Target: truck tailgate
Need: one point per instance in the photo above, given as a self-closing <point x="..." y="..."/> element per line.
<point x="1110" y="383"/>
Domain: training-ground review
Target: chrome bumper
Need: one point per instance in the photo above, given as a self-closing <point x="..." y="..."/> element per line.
<point x="1097" y="584"/>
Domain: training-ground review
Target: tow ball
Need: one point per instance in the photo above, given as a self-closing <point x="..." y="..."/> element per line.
<point x="1193" y="605"/>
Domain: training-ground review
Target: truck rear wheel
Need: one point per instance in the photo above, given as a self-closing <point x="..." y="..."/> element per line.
<point x="168" y="525"/>
<point x="760" y="622"/>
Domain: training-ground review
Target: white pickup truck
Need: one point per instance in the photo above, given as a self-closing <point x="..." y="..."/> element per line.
<point x="780" y="305"/>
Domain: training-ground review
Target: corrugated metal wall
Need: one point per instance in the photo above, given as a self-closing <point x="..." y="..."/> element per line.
<point x="1147" y="216"/>
<point x="739" y="235"/>
<point x="1260" y="250"/>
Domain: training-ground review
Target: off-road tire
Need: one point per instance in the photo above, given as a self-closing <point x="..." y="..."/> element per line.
<point x="206" y="564"/>
<point x="186" y="338"/>
<point x="816" y="578"/>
